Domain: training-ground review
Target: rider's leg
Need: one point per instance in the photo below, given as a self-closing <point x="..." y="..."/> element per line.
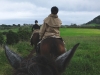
<point x="38" y="47"/>
<point x="63" y="42"/>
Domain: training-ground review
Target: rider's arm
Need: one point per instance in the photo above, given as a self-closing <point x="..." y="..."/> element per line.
<point x="42" y="30"/>
<point x="32" y="28"/>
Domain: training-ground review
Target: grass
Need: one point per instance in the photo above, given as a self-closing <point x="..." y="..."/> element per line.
<point x="4" y="66"/>
<point x="87" y="57"/>
<point x="86" y="60"/>
<point x="79" y="32"/>
<point x="22" y="48"/>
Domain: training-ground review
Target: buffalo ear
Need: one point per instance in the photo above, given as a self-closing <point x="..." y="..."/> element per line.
<point x="63" y="60"/>
<point x="12" y="57"/>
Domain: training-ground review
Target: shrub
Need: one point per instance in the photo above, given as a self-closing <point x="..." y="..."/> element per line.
<point x="1" y="39"/>
<point x="24" y="34"/>
<point x="12" y="37"/>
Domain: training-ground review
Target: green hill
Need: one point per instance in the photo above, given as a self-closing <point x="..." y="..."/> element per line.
<point x="95" y="21"/>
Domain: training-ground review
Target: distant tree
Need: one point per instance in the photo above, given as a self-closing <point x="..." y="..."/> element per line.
<point x="14" y="25"/>
<point x="74" y="25"/>
<point x="18" y="25"/>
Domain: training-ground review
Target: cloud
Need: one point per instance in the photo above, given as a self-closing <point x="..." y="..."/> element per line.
<point x="20" y="10"/>
<point x="70" y="11"/>
<point x="70" y="5"/>
<point x="77" y="17"/>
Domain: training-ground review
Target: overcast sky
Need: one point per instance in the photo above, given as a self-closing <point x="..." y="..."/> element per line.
<point x="26" y="11"/>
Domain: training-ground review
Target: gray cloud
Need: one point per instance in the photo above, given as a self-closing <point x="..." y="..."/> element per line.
<point x="71" y="11"/>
